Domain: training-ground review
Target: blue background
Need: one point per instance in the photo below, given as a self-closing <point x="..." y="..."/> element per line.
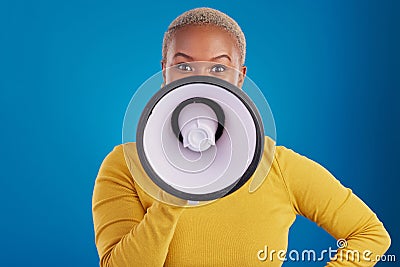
<point x="329" y="69"/>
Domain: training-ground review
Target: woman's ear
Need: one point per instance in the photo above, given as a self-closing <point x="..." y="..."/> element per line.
<point x="242" y="76"/>
<point x="163" y="67"/>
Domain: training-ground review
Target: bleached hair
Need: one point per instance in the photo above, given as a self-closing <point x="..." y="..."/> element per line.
<point x="206" y="16"/>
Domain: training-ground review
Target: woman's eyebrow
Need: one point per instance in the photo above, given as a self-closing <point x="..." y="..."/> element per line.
<point x="222" y="56"/>
<point x="180" y="54"/>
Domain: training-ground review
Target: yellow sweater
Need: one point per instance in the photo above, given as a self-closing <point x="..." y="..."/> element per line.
<point x="132" y="229"/>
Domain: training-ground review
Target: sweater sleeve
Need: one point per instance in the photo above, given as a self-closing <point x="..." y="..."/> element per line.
<point x="126" y="234"/>
<point x="317" y="195"/>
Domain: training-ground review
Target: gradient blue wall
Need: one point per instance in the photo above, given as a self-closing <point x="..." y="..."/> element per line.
<point x="329" y="69"/>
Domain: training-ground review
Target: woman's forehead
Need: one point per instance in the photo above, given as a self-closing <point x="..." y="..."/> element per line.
<point x="203" y="42"/>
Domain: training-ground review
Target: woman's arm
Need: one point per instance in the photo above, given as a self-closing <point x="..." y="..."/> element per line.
<point x="127" y="234"/>
<point x="317" y="195"/>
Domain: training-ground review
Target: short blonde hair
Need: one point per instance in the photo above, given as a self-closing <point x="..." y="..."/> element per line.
<point x="206" y="16"/>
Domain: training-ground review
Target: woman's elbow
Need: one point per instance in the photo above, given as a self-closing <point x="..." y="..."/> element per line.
<point x="387" y="241"/>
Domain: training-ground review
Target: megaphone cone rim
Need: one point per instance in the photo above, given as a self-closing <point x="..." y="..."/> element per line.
<point x="240" y="94"/>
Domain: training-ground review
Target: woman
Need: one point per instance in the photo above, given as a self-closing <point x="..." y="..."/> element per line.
<point x="132" y="229"/>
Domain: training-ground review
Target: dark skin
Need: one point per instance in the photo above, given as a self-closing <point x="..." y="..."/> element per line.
<point x="203" y="43"/>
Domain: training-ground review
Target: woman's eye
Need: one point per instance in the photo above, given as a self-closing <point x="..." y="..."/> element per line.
<point x="218" y="68"/>
<point x="184" y="67"/>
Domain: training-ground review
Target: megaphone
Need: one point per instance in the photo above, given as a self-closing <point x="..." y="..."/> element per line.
<point x="198" y="138"/>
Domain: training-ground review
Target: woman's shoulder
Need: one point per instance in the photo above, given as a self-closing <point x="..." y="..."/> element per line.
<point x="114" y="164"/>
<point x="287" y="154"/>
<point x="279" y="153"/>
